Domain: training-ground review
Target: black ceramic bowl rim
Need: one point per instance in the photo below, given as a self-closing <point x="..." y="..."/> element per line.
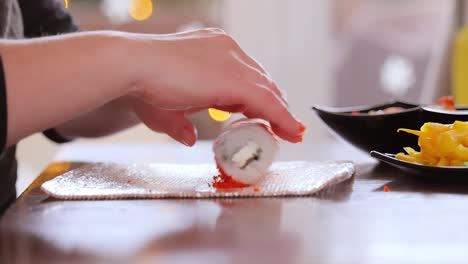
<point x="347" y="111"/>
<point x="390" y="158"/>
<point x="439" y="173"/>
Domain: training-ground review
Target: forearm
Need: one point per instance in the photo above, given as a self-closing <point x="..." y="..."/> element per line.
<point x="110" y="118"/>
<point x="52" y="80"/>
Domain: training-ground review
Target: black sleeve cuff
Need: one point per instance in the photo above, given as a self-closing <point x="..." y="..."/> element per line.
<point x="55" y="136"/>
<point x="3" y="109"/>
<point x="45" y="18"/>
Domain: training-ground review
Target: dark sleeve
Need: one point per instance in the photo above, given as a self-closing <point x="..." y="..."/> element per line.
<point x="3" y="109"/>
<point x="46" y="18"/>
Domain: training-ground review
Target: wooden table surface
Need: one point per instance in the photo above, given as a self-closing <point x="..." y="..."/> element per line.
<point x="417" y="221"/>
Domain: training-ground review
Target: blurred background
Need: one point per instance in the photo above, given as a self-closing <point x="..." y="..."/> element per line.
<point x="340" y="52"/>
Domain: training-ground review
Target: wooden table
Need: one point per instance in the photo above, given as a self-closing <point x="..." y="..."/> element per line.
<point x="417" y="221"/>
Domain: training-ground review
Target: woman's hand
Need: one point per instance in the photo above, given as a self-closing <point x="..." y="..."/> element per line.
<point x="81" y="82"/>
<point x="181" y="73"/>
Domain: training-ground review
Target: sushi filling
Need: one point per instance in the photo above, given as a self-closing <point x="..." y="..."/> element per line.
<point x="246" y="154"/>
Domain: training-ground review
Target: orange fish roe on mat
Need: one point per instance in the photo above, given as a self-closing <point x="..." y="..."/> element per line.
<point x="227" y="182"/>
<point x="256" y="190"/>
<point x="224" y="181"/>
<point x="386" y="188"/>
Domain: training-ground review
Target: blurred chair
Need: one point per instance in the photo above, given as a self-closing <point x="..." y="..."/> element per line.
<point x="388" y="50"/>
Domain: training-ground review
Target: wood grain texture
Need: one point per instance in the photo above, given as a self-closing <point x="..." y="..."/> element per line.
<point x="413" y="221"/>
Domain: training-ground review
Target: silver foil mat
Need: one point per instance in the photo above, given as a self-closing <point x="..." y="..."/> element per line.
<point x="124" y="181"/>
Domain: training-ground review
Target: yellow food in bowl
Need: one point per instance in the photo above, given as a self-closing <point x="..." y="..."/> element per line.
<point x="441" y="145"/>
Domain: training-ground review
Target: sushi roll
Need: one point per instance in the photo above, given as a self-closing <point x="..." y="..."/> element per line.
<point x="244" y="151"/>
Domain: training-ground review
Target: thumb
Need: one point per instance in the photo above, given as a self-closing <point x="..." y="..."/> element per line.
<point x="173" y="123"/>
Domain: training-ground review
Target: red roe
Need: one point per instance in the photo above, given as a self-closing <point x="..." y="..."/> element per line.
<point x="227" y="182"/>
<point x="224" y="181"/>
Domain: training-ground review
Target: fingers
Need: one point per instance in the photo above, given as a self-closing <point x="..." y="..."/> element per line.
<point x="252" y="62"/>
<point x="263" y="103"/>
<point x="200" y="32"/>
<point x="257" y="67"/>
<point x="173" y="123"/>
<point x="216" y="30"/>
<point x="217" y="73"/>
<point x="257" y="74"/>
<point x="269" y="103"/>
<point x="232" y="108"/>
<point x="283" y="134"/>
<point x="226" y="108"/>
<point x="272" y="86"/>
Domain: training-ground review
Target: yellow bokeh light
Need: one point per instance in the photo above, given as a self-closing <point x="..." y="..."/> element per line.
<point x="66" y="3"/>
<point x="218" y="115"/>
<point x="140" y="9"/>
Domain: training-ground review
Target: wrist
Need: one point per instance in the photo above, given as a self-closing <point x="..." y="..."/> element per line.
<point x="141" y="60"/>
<point x="117" y="51"/>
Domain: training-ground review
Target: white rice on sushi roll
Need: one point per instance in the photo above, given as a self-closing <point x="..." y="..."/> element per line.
<point x="245" y="150"/>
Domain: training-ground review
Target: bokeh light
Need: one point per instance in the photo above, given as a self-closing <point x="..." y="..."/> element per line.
<point x="140" y="9"/>
<point x="66" y="3"/>
<point x="218" y="115"/>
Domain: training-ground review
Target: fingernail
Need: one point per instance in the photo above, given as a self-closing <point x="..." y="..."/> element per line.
<point x="187" y="137"/>
<point x="302" y="127"/>
<point x="298" y="138"/>
<point x="185" y="143"/>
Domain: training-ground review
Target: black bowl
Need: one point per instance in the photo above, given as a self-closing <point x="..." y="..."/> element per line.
<point x="442" y="173"/>
<point x="374" y="132"/>
<point x="431" y="114"/>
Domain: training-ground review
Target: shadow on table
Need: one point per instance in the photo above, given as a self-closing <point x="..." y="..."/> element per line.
<point x="337" y="192"/>
<point x="399" y="181"/>
<point x="246" y="231"/>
